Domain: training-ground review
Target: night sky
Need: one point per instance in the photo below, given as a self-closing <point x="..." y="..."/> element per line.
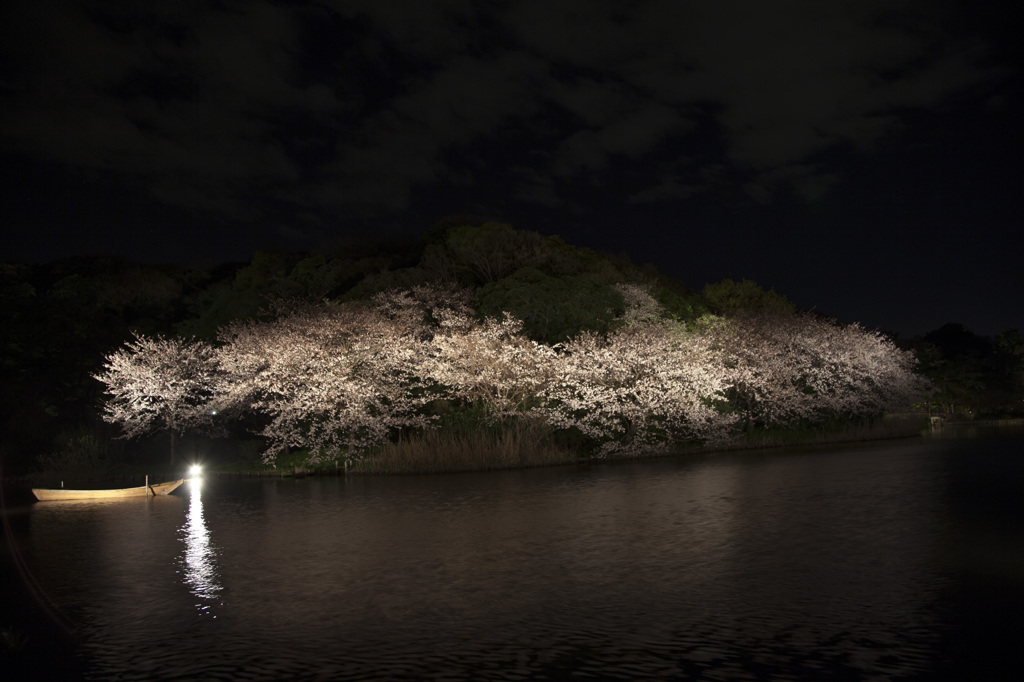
<point x="862" y="158"/>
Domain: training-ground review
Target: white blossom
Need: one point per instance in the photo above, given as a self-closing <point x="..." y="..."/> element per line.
<point x="640" y="305"/>
<point x="783" y="370"/>
<point x="490" y="363"/>
<point x="640" y="389"/>
<point x="159" y="384"/>
<point x="336" y="379"/>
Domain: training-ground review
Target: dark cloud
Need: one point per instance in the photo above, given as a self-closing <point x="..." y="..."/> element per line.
<point x="183" y="104"/>
<point x="206" y="102"/>
<point x="300" y="117"/>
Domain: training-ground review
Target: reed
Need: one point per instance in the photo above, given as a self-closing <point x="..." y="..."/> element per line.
<point x="522" y="443"/>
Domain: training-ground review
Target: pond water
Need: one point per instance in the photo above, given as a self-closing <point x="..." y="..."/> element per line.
<point x="899" y="560"/>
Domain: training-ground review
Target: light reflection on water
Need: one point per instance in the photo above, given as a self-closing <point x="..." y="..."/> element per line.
<point x="885" y="561"/>
<point x="200" y="566"/>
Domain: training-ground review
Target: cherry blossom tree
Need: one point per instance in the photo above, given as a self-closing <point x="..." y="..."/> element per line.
<point x="159" y="384"/>
<point x="426" y="309"/>
<point x="490" y="363"/>
<point x="340" y="378"/>
<point x="640" y="305"/>
<point x="853" y="372"/>
<point x="786" y="370"/>
<point x="760" y="369"/>
<point x="640" y="389"/>
<point x="336" y="379"/>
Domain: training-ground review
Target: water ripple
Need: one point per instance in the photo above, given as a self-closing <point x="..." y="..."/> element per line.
<point x="838" y="565"/>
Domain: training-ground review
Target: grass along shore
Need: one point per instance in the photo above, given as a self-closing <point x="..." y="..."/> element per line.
<point x="466" y="447"/>
<point x="531" y="444"/>
<point x="522" y="444"/>
<point x="528" y="444"/>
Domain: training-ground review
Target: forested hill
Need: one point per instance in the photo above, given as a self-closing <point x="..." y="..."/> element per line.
<point x="59" y="320"/>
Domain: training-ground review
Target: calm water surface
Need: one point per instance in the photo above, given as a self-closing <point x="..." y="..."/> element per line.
<point x="902" y="560"/>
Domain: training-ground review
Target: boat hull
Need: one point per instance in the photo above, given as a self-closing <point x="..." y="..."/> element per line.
<point x="141" y="491"/>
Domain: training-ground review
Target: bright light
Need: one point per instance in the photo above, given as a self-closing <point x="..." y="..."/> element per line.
<point x="195" y="470"/>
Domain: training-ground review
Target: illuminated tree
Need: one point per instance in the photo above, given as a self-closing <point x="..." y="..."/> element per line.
<point x="760" y="370"/>
<point x="159" y="384"/>
<point x="857" y="373"/>
<point x="336" y="379"/>
<point x="423" y="310"/>
<point x="491" y="364"/>
<point x="640" y="389"/>
<point x="640" y="306"/>
<point x="786" y="370"/>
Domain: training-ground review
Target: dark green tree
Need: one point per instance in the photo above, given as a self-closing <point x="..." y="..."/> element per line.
<point x="731" y="298"/>
<point x="553" y="309"/>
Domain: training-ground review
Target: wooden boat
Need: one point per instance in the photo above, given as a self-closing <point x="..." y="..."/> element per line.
<point x="141" y="491"/>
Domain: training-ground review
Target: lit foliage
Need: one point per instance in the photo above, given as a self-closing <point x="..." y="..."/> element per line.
<point x="339" y="379"/>
<point x="490" y="363"/>
<point x="422" y="310"/>
<point x="158" y="384"/>
<point x="335" y="379"/>
<point x="791" y="369"/>
<point x="639" y="389"/>
<point x="640" y="306"/>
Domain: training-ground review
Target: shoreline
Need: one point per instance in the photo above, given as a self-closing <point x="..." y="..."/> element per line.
<point x="756" y="442"/>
